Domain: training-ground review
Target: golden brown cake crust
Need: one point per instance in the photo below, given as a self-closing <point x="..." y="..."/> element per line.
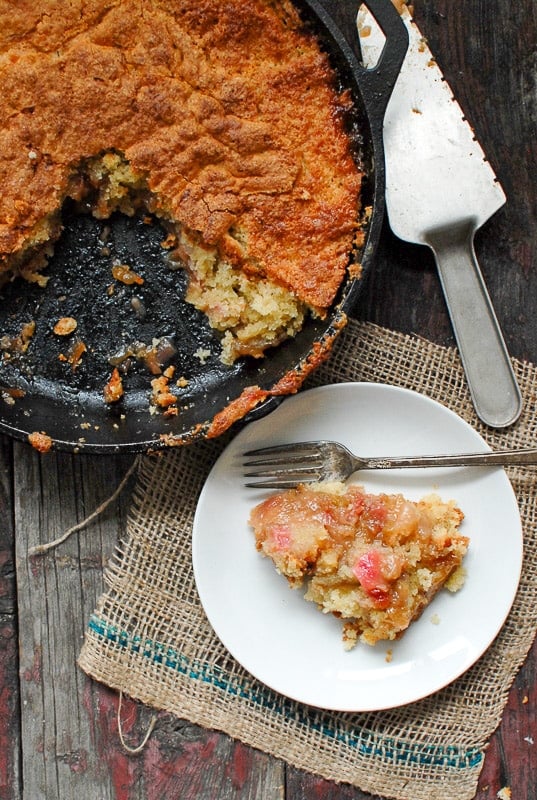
<point x="227" y="112"/>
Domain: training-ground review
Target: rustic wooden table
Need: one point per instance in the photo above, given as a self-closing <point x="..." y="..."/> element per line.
<point x="58" y="730"/>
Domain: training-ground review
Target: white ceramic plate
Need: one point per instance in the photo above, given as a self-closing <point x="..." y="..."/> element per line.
<point x="284" y="641"/>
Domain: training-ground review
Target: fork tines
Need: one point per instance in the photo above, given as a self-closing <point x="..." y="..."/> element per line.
<point x="297" y="463"/>
<point x="283" y="454"/>
<point x="292" y="447"/>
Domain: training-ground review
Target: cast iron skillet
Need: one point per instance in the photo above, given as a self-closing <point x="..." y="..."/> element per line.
<point x="38" y="392"/>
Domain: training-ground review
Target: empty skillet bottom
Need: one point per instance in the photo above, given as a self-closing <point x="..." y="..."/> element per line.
<point x="64" y="339"/>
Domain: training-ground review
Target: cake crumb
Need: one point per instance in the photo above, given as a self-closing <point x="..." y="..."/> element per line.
<point x="75" y="354"/>
<point x="400" y="5"/>
<point x="435" y="619"/>
<point x="41" y="441"/>
<point x="20" y="343"/>
<point x="202" y="354"/>
<point x="161" y="396"/>
<point x="126" y="275"/>
<point x="9" y="395"/>
<point x="504" y="794"/>
<point x="456" y="580"/>
<point x="389" y="656"/>
<point x="65" y="326"/>
<point x="169" y="242"/>
<point x="349" y="637"/>
<point x="113" y="390"/>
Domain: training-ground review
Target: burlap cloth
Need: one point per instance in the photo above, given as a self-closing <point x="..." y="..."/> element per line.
<point x="149" y="636"/>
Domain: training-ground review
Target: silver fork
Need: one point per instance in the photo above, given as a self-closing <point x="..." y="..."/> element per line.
<point x="287" y="465"/>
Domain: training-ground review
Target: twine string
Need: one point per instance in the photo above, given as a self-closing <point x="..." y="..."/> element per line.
<point x="138" y="749"/>
<point x="40" y="549"/>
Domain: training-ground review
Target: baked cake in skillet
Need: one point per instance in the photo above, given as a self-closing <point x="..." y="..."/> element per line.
<point x="220" y="117"/>
<point x="375" y="561"/>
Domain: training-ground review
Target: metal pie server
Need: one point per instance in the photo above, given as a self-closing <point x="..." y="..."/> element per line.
<point x="439" y="190"/>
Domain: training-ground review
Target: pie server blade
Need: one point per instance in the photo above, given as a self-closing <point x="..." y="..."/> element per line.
<point x="439" y="190"/>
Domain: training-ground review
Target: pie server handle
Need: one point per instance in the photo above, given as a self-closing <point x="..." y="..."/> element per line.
<point x="485" y="359"/>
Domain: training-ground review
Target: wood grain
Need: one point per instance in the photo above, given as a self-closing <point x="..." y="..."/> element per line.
<point x="58" y="730"/>
<point x="10" y="739"/>
<point x="56" y="594"/>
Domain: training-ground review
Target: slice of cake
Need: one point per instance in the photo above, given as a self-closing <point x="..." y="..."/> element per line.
<point x="375" y="561"/>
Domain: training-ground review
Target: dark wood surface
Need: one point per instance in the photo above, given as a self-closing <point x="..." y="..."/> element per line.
<point x="58" y="730"/>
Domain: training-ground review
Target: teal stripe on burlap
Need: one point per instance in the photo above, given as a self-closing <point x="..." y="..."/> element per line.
<point x="394" y="750"/>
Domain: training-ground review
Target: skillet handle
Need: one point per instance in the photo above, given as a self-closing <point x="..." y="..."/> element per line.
<point x="377" y="82"/>
<point x="380" y="79"/>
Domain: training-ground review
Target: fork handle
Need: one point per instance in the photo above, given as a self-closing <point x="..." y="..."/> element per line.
<point x="503" y="458"/>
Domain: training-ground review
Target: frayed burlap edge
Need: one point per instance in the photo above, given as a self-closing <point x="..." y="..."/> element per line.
<point x="149" y="637"/>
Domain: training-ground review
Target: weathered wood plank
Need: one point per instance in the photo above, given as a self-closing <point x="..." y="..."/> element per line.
<point x="302" y="785"/>
<point x="10" y="740"/>
<point x="9" y="710"/>
<point x="56" y="594"/>
<point x="511" y="759"/>
<point x="180" y="761"/>
<point x="7" y="563"/>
